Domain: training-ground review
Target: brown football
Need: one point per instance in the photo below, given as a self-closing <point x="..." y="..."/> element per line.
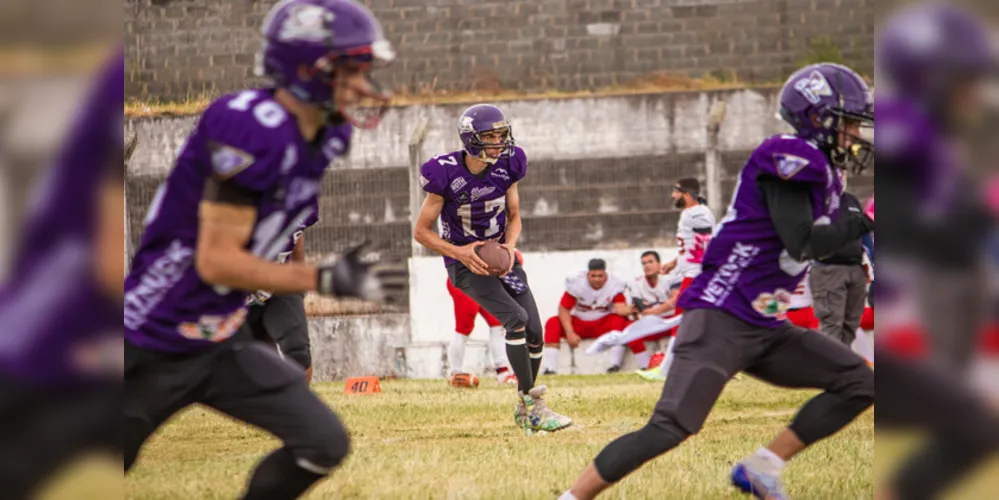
<point x="495" y="256"/>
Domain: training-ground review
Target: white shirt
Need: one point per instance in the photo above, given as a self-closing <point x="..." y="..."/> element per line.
<point x="591" y="304"/>
<point x="693" y="233"/>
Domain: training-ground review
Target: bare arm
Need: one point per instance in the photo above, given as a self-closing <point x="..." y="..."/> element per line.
<point x="222" y="259"/>
<point x="514" y="224"/>
<point x="424" y="232"/>
<point x="623" y="308"/>
<point x="109" y="264"/>
<point x="298" y="253"/>
<point x="565" y="317"/>
<point x="658" y="309"/>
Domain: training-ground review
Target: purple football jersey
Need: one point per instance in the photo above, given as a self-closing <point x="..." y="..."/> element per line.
<point x="474" y="205"/>
<point x="59" y="326"/>
<point x="249" y="139"/>
<point x="747" y="272"/>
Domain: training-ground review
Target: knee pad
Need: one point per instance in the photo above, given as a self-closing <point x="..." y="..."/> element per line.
<point x="516" y="320"/>
<point x="535" y="350"/>
<point x="514" y="337"/>
<point x="326" y="450"/>
<point x="629" y="452"/>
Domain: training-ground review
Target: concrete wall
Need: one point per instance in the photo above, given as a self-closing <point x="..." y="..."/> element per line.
<point x="176" y="48"/>
<point x="599" y="184"/>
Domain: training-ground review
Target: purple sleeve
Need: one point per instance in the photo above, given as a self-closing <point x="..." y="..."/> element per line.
<point x="518" y="165"/>
<point x="241" y="149"/>
<point x="792" y="159"/>
<point x="433" y="178"/>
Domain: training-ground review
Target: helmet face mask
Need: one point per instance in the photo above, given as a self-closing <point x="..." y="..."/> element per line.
<point x="323" y="52"/>
<point x="486" y="133"/>
<point x="828" y="104"/>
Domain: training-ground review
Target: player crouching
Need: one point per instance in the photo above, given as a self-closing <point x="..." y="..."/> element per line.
<point x="473" y="193"/>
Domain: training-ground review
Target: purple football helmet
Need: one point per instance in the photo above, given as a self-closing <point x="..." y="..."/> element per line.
<point x="819" y="101"/>
<point x="309" y="43"/>
<point x="478" y="120"/>
<point x="923" y="50"/>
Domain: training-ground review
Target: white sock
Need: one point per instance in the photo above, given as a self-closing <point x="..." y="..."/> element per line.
<point x="617" y="354"/>
<point x="668" y="358"/>
<point x="771" y="459"/>
<point x="497" y="347"/>
<point x="550" y="359"/>
<point x="643" y="359"/>
<point x="456" y="354"/>
<point x="568" y="496"/>
<point x="863" y="346"/>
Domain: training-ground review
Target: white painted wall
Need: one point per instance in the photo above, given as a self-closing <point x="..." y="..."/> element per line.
<point x="432" y="310"/>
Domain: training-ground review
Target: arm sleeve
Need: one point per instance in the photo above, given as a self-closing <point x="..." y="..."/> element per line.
<point x="568" y="301"/>
<point x="790" y="207"/>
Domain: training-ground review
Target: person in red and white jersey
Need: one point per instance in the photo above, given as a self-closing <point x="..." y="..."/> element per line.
<point x="592" y="305"/>
<point x="693" y="233"/>
<point x="800" y="312"/>
<point x="653" y="296"/>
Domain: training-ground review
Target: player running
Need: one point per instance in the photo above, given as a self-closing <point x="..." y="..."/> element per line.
<point x="784" y="212"/>
<point x="473" y="192"/>
<point x="246" y="180"/>
<point x="60" y="347"/>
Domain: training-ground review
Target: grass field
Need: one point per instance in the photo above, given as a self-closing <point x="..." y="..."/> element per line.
<point x="424" y="440"/>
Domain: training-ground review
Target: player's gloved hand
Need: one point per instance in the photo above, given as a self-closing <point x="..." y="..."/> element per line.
<point x="467" y="256"/>
<point x="350" y="276"/>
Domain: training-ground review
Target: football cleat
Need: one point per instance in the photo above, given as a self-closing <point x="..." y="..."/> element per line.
<point x="539" y="417"/>
<point x="507" y="378"/>
<point x="760" y="484"/>
<point x="652" y="374"/>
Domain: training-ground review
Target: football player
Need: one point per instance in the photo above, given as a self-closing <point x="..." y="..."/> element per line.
<point x="246" y="179"/>
<point x="734" y="315"/>
<point x="654" y="296"/>
<point x="935" y="223"/>
<point x="60" y="353"/>
<point x="593" y="304"/>
<point x="465" y="311"/>
<point x="473" y="191"/>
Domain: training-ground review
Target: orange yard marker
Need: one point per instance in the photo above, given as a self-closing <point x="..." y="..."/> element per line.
<point x="362" y="385"/>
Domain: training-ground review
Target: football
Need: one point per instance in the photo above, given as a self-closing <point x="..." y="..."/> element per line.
<point x="495" y="256"/>
<point x="464" y="380"/>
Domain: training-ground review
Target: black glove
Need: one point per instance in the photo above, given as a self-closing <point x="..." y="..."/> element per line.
<point x="639" y="304"/>
<point x="366" y="280"/>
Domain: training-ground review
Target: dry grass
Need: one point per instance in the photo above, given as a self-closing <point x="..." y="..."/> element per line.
<point x="653" y="83"/>
<point x="424" y="440"/>
<point x="33" y="61"/>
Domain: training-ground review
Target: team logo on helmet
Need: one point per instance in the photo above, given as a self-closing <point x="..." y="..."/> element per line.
<point x="306" y="23"/>
<point x="814" y="88"/>
<point x="465" y="124"/>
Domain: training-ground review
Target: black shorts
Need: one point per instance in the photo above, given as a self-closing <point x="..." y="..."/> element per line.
<point x="712" y="346"/>
<point x="44" y="429"/>
<point x="510" y="300"/>
<point x="240" y="377"/>
<point x="282" y="321"/>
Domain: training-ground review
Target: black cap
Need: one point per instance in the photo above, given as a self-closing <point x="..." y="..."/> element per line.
<point x="597" y="265"/>
<point x="689" y="185"/>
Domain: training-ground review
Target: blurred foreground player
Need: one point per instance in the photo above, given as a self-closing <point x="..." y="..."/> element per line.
<point x="60" y="379"/>
<point x="473" y="191"/>
<point x="465" y="311"/>
<point x="245" y="181"/>
<point x="936" y="229"/>
<point x="785" y="211"/>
